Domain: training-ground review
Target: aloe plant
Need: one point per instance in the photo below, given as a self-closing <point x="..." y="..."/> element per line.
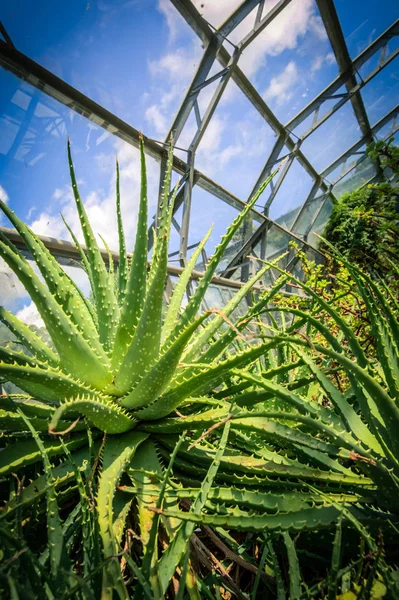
<point x="115" y="363"/>
<point x="149" y="423"/>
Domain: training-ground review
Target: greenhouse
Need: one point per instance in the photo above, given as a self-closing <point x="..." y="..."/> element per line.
<point x="199" y="299"/>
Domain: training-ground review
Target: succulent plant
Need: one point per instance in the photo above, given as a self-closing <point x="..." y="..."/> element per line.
<point x="149" y="422"/>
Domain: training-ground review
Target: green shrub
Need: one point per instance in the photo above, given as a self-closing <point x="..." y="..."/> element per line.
<point x="364" y="227"/>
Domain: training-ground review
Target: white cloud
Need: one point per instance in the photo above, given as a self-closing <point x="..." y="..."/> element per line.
<point x="172" y="65"/>
<point x="215" y="12"/>
<point x="30" y="315"/>
<point x="3" y="194"/>
<point x="4" y="197"/>
<point x="330" y="58"/>
<point x="316" y="25"/>
<point x="155" y="117"/>
<point x="173" y="19"/>
<point x="283" y="33"/>
<point x="212" y="135"/>
<point x="281" y="87"/>
<point x="172" y="71"/>
<point x="228" y="153"/>
<point x="11" y="288"/>
<point x="317" y="64"/>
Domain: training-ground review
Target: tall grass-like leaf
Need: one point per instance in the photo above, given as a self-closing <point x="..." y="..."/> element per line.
<point x="107" y="308"/>
<point x="335" y="562"/>
<point x="30" y="340"/>
<point x="123" y="265"/>
<point x="293" y="566"/>
<point x="173" y="555"/>
<point x="135" y="290"/>
<point x="145" y="346"/>
<point x="59" y="283"/>
<point x="158" y="377"/>
<point x="151" y="552"/>
<point x="54" y="525"/>
<point x="117" y="455"/>
<point x="180" y="288"/>
<point x="74" y="351"/>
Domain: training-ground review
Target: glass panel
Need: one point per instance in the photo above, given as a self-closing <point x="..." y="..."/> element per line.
<point x="373" y="63"/>
<point x="320" y="223"/>
<point x="34" y="169"/>
<point x="277" y="241"/>
<point x="291" y="195"/>
<point x="236" y="143"/>
<point x="382" y="93"/>
<point x="207" y="210"/>
<point x="388" y="130"/>
<point x="347" y="164"/>
<point x="363" y="172"/>
<point x="332" y="138"/>
<point x="303" y="129"/>
<point x="308" y="214"/>
<point x="362" y="21"/>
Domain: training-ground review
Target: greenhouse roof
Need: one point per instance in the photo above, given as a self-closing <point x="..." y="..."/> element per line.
<point x="241" y="86"/>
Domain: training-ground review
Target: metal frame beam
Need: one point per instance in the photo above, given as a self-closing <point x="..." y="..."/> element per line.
<point x="331" y="23"/>
<point x="363" y="140"/>
<point x="345" y="172"/>
<point x="380" y="43"/>
<point x="67" y="254"/>
<point x="262" y="230"/>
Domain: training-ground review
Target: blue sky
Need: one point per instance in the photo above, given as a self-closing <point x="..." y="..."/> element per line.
<point x="136" y="58"/>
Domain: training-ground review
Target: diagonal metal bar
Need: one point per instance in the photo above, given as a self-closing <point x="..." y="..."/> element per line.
<point x="391" y="115"/>
<point x="259" y="12"/>
<point x="341" y="160"/>
<point x="346" y="171"/>
<point x="208" y="81"/>
<point x="185" y="223"/>
<point x="4" y="33"/>
<point x="194" y="89"/>
<point x="271" y="161"/>
<point x="339" y="81"/>
<point x="239" y="14"/>
<point x="67" y="253"/>
<point x="312" y="194"/>
<point x="261" y="24"/>
<point x="202" y="79"/>
<point x="331" y="23"/>
<point x="204" y="31"/>
<point x="348" y="96"/>
<point x="363" y="140"/>
<point x="282" y="175"/>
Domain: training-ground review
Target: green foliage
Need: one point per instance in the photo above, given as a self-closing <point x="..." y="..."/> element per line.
<point x="197" y="454"/>
<point x="364" y="223"/>
<point x="387" y="153"/>
<point x="364" y="226"/>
